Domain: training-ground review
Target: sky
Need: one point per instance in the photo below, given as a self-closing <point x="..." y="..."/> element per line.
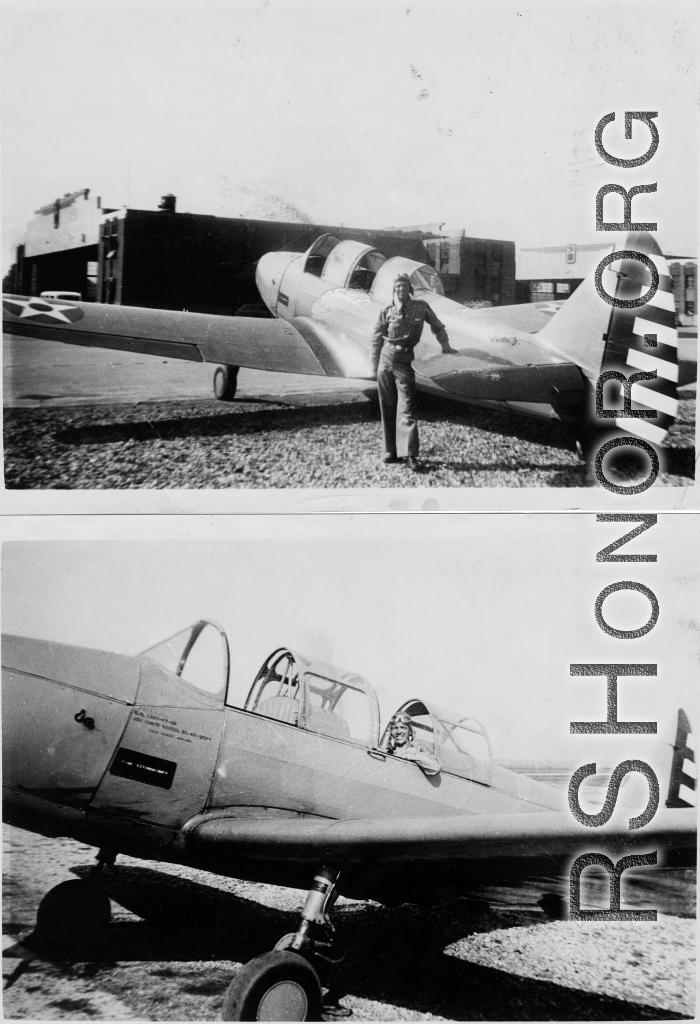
<point x="477" y="116"/>
<point x="482" y="614"/>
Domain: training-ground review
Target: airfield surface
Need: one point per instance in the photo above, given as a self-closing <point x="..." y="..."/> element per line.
<point x="178" y="935"/>
<point x="77" y="417"/>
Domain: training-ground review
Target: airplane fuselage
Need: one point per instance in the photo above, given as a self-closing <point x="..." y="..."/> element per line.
<point x="340" y="309"/>
<point x="118" y="752"/>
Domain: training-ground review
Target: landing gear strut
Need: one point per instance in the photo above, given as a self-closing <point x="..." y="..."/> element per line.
<point x="283" y="984"/>
<point x="72" y="915"/>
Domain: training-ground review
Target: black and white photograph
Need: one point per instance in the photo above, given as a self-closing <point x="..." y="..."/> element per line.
<point x="350" y="767"/>
<point x="367" y="256"/>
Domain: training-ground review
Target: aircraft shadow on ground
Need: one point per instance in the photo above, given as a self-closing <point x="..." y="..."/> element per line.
<point x="680" y="461"/>
<point x="288" y="418"/>
<point x="395" y="955"/>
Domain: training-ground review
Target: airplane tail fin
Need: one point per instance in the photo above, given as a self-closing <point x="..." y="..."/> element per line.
<point x="682" y="787"/>
<point x="599" y="337"/>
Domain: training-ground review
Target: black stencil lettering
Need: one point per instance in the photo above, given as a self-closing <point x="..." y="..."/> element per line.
<point x="626" y="442"/>
<point x="627" y="634"/>
<point x="627" y="383"/>
<point x="626" y="224"/>
<point x="645" y="523"/>
<point x="612" y="726"/>
<point x="614" y="871"/>
<point x="605" y="813"/>
<point x="630" y="115"/>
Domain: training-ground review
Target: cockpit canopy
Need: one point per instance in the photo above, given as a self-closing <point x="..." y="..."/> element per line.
<point x="355" y="265"/>
<point x="315" y="696"/>
<point x="199" y="655"/>
<point x="321" y="698"/>
<point x="461" y="744"/>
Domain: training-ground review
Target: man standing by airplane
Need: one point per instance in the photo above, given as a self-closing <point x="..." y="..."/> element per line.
<point x="395" y="337"/>
<point x="402" y="743"/>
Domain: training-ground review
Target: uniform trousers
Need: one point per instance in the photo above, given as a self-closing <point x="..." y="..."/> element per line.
<point x="396" y="384"/>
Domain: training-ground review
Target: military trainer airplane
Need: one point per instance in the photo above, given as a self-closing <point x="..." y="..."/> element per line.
<point x="299" y="787"/>
<point x="323" y="304"/>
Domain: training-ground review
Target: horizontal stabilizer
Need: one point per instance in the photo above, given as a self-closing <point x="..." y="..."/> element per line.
<point x="466" y="378"/>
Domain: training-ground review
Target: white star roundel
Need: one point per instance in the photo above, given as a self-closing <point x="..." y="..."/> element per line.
<point x="42" y="312"/>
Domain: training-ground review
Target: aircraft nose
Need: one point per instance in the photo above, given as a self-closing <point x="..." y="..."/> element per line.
<point x="269" y="273"/>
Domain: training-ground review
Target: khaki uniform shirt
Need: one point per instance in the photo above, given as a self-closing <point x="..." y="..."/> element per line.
<point x="423" y="758"/>
<point x="404" y="327"/>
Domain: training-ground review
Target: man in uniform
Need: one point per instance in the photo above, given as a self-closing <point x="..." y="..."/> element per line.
<point x="402" y="743"/>
<point x="395" y="336"/>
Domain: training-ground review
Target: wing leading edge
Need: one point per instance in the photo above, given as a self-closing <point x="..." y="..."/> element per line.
<point x="236" y="341"/>
<point x="463" y="837"/>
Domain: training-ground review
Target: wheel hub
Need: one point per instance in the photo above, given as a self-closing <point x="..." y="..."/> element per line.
<point x="285" y="1000"/>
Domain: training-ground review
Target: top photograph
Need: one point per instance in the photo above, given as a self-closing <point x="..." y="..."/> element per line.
<point x="323" y="257"/>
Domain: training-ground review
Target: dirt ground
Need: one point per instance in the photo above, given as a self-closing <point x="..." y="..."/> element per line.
<point x="178" y="935"/>
<point x="90" y="418"/>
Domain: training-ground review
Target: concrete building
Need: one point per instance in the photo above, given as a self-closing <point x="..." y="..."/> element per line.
<point x="60" y="248"/>
<point x="547" y="273"/>
<point x="684" y="271"/>
<point x="473" y="270"/>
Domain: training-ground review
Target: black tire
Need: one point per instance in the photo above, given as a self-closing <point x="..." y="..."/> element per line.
<point x="75" y="912"/>
<point x="275" y="986"/>
<point x="226" y="383"/>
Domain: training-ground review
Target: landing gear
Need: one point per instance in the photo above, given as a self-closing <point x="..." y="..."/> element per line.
<point x="74" y="914"/>
<point x="275" y="986"/>
<point x="226" y="383"/>
<point x="274" y="982"/>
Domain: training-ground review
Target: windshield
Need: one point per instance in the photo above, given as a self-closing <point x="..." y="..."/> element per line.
<point x="198" y="654"/>
<point x="427" y="279"/>
<point x="336" y="709"/>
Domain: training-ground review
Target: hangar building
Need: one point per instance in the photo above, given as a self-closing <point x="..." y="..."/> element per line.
<point x="170" y="260"/>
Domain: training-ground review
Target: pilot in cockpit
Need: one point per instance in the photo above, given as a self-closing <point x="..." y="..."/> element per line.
<point x="402" y="743"/>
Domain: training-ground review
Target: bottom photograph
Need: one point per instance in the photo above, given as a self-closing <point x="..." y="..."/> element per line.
<point x="351" y="767"/>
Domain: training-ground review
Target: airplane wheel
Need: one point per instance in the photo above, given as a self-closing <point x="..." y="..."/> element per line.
<point x="226" y="383"/>
<point x="73" y="911"/>
<point x="275" y="986"/>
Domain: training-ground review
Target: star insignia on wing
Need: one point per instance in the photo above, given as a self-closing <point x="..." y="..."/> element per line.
<point x="44" y="312"/>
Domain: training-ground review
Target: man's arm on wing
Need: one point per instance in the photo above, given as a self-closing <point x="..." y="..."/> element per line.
<point x="438" y="329"/>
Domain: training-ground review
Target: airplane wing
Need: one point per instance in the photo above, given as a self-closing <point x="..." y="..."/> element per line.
<point x="475" y="374"/>
<point x="527" y="316"/>
<point x="235" y="341"/>
<point x="516" y="838"/>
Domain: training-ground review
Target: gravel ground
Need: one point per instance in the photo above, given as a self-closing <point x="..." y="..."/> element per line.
<point x="179" y="934"/>
<point x="311" y="440"/>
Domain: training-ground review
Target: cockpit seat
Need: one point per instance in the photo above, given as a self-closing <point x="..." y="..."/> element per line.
<point x="328" y="724"/>
<point x="283" y="709"/>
